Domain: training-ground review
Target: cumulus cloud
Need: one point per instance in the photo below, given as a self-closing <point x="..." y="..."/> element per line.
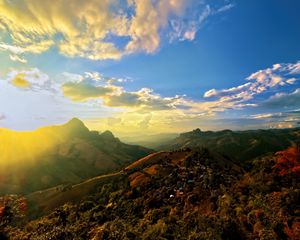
<point x="149" y="18"/>
<point x="145" y="108"/>
<point x="281" y="119"/>
<point x="82" y="28"/>
<point x="94" y="86"/>
<point x="66" y="77"/>
<point x="32" y="79"/>
<point x="20" y="81"/>
<point x="90" y="93"/>
<point x="144" y="99"/>
<point x="112" y="95"/>
<point x="93" y="75"/>
<point x="40" y="104"/>
<point x="82" y="91"/>
<point x="258" y="82"/>
<point x="283" y="100"/>
<point x="93" y="29"/>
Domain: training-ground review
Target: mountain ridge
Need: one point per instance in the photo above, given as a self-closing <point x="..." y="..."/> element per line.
<point x="52" y="155"/>
<point x="238" y="145"/>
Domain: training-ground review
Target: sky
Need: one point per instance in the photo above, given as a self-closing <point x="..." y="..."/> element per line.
<point x="150" y="66"/>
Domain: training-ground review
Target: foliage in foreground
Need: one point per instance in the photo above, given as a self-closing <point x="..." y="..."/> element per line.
<point x="199" y="196"/>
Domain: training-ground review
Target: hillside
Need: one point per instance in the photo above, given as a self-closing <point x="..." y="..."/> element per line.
<point x="56" y="155"/>
<point x="238" y="145"/>
<point x="181" y="194"/>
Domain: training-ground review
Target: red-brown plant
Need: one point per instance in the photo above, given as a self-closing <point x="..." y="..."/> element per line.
<point x="288" y="161"/>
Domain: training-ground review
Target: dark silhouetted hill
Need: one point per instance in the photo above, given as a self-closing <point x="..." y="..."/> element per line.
<point x="238" y="145"/>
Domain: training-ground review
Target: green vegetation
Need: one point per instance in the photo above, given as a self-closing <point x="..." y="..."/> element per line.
<point x="240" y="146"/>
<point x="184" y="194"/>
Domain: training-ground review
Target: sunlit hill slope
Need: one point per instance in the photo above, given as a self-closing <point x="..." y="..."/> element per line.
<point x="59" y="154"/>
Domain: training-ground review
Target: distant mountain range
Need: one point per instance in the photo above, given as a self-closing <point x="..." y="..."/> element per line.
<point x="199" y="190"/>
<point x="71" y="153"/>
<point x="153" y="141"/>
<point x="238" y="145"/>
<point x="55" y="155"/>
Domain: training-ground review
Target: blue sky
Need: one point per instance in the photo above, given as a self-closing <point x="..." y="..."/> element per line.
<point x="131" y="72"/>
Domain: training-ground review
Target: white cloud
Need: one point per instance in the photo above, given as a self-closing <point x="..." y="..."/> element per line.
<point x="262" y="116"/>
<point x="91" y="95"/>
<point x="225" y="8"/>
<point x="284" y="100"/>
<point x="210" y="93"/>
<point x="69" y="77"/>
<point x="17" y="58"/>
<point x="146" y="100"/>
<point x="186" y="29"/>
<point x="12" y="49"/>
<point x="93" y="75"/>
<point x="205" y="14"/>
<point x="17" y="52"/>
<point x="92" y="29"/>
<point x="32" y="79"/>
<point x="190" y="34"/>
<point x="233" y="90"/>
<point x="116" y="96"/>
<point x="293" y="68"/>
<point x="39" y="105"/>
<point x="258" y="82"/>
<point x="291" y="80"/>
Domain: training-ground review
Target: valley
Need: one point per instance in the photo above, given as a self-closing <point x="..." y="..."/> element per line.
<point x="190" y="192"/>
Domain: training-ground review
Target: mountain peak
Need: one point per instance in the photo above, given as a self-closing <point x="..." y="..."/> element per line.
<point x="75" y="126"/>
<point x="195" y="132"/>
<point x="75" y="121"/>
<point x="107" y="135"/>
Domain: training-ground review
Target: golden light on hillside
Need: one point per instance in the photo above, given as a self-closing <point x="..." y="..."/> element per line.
<point x="22" y="148"/>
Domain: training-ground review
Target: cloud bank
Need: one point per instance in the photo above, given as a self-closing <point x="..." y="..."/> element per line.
<point x="274" y="89"/>
<point x="279" y="75"/>
<point x="97" y="29"/>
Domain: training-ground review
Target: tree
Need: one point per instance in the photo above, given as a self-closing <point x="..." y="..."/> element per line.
<point x="288" y="161"/>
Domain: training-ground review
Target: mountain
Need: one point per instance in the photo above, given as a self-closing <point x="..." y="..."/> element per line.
<point x="153" y="141"/>
<point x="54" y="155"/>
<point x="182" y="194"/>
<point x="139" y="173"/>
<point x="238" y="145"/>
